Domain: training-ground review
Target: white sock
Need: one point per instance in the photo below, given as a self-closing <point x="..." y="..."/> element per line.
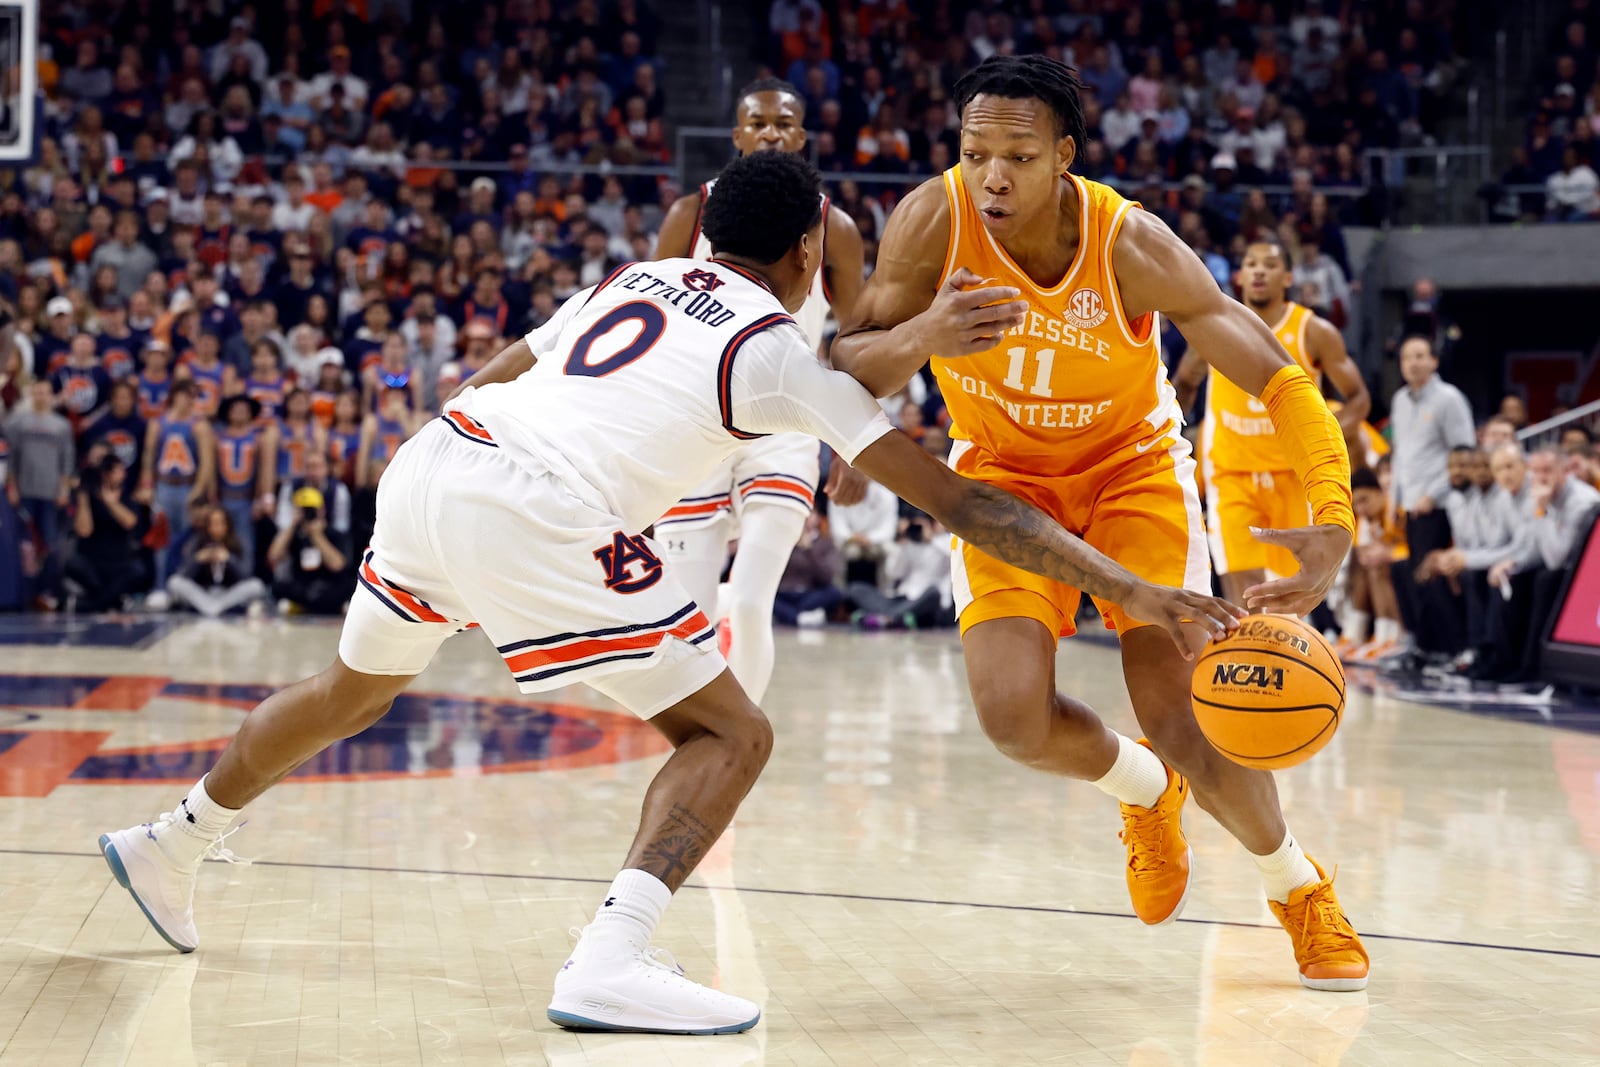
<point x="632" y="907"/>
<point x="1137" y="777"/>
<point x="1354" y="624"/>
<point x="1387" y="630"/>
<point x="1285" y="870"/>
<point x="198" y="820"/>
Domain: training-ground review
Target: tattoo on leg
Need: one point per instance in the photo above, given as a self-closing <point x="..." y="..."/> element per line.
<point x="670" y="858"/>
<point x="681" y="844"/>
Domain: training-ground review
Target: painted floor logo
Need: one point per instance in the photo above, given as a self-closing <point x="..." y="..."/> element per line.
<point x="425" y="735"/>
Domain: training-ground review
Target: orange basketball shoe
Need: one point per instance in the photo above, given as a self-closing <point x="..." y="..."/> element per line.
<point x="1326" y="946"/>
<point x="1158" y="853"/>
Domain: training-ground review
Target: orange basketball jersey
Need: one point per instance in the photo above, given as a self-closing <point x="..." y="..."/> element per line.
<point x="1238" y="434"/>
<point x="1076" y="381"/>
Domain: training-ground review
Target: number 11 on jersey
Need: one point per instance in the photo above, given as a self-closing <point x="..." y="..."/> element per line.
<point x="1041" y="377"/>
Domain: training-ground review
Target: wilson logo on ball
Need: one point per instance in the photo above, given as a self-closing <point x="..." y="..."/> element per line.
<point x="1248" y="674"/>
<point x="1267" y="631"/>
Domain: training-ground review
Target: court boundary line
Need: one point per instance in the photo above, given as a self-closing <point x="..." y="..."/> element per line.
<point x="1037" y="909"/>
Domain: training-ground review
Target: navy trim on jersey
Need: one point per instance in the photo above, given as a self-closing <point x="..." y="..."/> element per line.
<point x="607" y="632"/>
<point x="608" y="280"/>
<point x="725" y="371"/>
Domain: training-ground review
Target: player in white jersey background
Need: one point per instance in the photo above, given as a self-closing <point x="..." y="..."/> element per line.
<point x="518" y="511"/>
<point x="762" y="494"/>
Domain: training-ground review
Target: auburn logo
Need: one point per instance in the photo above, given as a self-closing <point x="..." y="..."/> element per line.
<point x="619" y="559"/>
<point x="1248" y="674"/>
<point x="702" y="281"/>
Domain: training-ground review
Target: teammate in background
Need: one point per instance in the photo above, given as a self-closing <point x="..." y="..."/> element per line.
<point x="1250" y="483"/>
<point x="1056" y="391"/>
<point x="762" y="493"/>
<point x="518" y="511"/>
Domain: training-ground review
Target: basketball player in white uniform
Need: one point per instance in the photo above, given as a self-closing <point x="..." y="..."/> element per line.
<point x="763" y="493"/>
<point x="517" y="511"/>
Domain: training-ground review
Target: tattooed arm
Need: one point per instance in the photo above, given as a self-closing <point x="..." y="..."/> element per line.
<point x="1018" y="533"/>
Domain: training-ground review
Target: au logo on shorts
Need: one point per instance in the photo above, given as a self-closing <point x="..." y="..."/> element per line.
<point x="1086" y="309"/>
<point x="618" y="558"/>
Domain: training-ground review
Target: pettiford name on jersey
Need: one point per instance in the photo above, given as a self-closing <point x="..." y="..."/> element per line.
<point x="632" y="398"/>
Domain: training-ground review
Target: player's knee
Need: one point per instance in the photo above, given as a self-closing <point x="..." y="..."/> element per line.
<point x="1016" y="722"/>
<point x="753" y="739"/>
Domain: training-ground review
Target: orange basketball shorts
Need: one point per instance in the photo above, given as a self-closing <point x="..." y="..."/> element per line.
<point x="1139" y="508"/>
<point x="1238" y="500"/>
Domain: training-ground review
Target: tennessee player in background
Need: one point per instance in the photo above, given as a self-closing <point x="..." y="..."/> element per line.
<point x="1057" y="393"/>
<point x="1250" y="483"/>
<point x="762" y="494"/>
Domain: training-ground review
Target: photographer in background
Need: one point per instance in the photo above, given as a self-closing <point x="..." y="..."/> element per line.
<point x="108" y="565"/>
<point x="312" y="561"/>
<point x="809" y="588"/>
<point x="216" y="578"/>
<point x="918" y="570"/>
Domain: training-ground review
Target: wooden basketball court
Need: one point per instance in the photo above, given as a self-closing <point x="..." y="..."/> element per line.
<point x="894" y="891"/>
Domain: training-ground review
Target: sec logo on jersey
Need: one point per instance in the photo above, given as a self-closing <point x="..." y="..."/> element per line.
<point x="1086" y="309"/>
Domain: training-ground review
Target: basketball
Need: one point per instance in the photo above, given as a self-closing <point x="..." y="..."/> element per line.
<point x="1270" y="696"/>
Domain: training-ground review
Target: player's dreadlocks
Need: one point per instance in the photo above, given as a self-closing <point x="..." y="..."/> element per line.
<point x="761" y="206"/>
<point x="1030" y="77"/>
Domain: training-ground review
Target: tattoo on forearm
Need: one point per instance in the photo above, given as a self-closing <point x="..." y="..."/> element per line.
<point x="1020" y="534"/>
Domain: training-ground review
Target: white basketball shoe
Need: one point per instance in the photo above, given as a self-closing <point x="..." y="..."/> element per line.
<point x="613" y="983"/>
<point x="162" y="887"/>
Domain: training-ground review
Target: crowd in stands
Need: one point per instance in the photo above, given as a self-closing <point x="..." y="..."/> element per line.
<point x="258" y="246"/>
<point x="1194" y="108"/>
<point x="255" y="248"/>
<point x="1552" y="173"/>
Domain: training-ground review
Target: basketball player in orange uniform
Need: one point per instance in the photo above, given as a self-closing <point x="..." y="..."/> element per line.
<point x="1250" y="484"/>
<point x="1057" y="392"/>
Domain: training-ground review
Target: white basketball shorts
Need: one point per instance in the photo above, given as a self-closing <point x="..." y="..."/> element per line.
<point x="466" y="537"/>
<point x="781" y="470"/>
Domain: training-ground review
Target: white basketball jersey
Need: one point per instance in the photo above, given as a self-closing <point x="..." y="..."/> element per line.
<point x="812" y="318"/>
<point x="637" y="394"/>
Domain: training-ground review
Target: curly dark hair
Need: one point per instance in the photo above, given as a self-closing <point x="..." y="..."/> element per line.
<point x="761" y="205"/>
<point x="1030" y="77"/>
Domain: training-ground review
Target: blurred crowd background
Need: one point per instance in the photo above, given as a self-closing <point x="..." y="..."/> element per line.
<point x="257" y="244"/>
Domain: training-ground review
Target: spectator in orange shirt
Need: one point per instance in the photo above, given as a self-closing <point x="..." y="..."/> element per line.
<point x="324" y="194"/>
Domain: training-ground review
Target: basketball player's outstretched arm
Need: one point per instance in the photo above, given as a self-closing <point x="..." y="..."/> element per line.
<point x="1015" y="531"/>
<point x="1327" y="348"/>
<point x="1157" y="272"/>
<point x="904" y="316"/>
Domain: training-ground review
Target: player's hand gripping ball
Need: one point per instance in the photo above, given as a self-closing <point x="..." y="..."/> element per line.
<point x="1271" y="695"/>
